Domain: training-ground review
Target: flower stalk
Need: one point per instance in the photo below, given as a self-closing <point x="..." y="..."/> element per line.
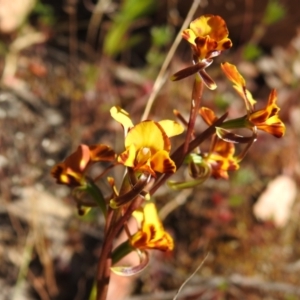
<point x="149" y="160"/>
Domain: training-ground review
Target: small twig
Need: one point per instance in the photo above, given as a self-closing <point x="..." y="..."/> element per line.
<point x="20" y="43"/>
<point x="161" y="77"/>
<point x="24" y="268"/>
<point x="49" y="273"/>
<point x="179" y="200"/>
<point x="95" y="20"/>
<point x="38" y="285"/>
<point x="71" y="10"/>
<point x="191" y="276"/>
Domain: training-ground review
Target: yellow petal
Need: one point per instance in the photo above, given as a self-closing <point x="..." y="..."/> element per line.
<point x="139" y="216"/>
<point x="200" y="25"/>
<point x="165" y="243"/>
<point x="159" y="238"/>
<point x="214" y="27"/>
<point x="273" y="126"/>
<point x="189" y="35"/>
<point x="239" y="82"/>
<point x="152" y="234"/>
<point x="272" y="107"/>
<point x="151" y="218"/>
<point x="127" y="158"/>
<point x="148" y="134"/>
<point x="64" y="175"/>
<point x="224" y="44"/>
<point x="233" y="74"/>
<point x="58" y="173"/>
<point x="121" y="116"/>
<point x="171" y="128"/>
<point x="223" y="148"/>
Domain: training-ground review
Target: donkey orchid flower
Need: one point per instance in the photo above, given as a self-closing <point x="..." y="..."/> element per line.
<point x="208" y="37"/>
<point x="151" y="235"/>
<point x="147" y="144"/>
<point x="72" y="170"/>
<point x="266" y="119"/>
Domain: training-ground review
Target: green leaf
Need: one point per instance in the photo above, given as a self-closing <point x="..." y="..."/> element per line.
<point x="134" y="9"/>
<point x="252" y="52"/>
<point x="162" y="35"/>
<point x="45" y="13"/>
<point x="275" y="11"/>
<point x="244" y="177"/>
<point x="181" y="185"/>
<point x="118" y="37"/>
<point x="92" y="189"/>
<point x="235" y="200"/>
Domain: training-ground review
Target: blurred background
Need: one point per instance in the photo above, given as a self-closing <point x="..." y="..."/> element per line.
<point x="64" y="64"/>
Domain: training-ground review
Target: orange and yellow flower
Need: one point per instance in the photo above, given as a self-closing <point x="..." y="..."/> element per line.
<point x="266" y="119"/>
<point x="208" y="36"/>
<point x="147" y="144"/>
<point x="72" y="171"/>
<point x="221" y="159"/>
<point x="151" y="235"/>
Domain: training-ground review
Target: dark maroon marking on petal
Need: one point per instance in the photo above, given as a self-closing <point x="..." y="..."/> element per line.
<point x="168" y="166"/>
<point x="227" y="44"/>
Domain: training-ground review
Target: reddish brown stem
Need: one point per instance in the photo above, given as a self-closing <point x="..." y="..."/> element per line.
<point x="103" y="270"/>
<point x="195" y="105"/>
<point x="104" y="262"/>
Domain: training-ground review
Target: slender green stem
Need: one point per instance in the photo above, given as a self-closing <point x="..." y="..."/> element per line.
<point x="97" y="195"/>
<point x="121" y="251"/>
<point x="241" y="122"/>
